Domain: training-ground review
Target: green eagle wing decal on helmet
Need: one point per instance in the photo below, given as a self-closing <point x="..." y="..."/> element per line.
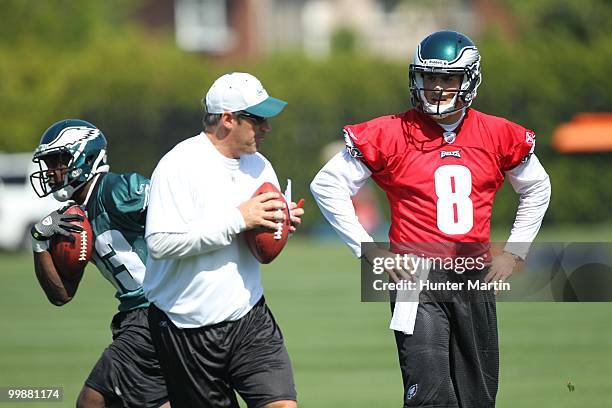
<point x="78" y="145"/>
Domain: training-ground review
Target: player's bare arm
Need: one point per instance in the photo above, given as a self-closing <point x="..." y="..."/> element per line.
<point x="57" y="286"/>
<point x="59" y="290"/>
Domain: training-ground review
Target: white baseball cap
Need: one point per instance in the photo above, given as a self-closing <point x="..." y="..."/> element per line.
<point x="239" y="91"/>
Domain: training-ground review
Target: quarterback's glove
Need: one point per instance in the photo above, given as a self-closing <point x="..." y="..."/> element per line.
<point x="56" y="223"/>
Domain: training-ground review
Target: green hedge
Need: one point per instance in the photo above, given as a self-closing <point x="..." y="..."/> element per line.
<point x="145" y="95"/>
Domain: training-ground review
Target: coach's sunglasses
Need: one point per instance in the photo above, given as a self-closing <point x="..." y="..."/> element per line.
<point x="257" y="120"/>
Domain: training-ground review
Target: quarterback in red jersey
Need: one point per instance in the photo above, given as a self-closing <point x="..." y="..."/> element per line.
<point x="440" y="165"/>
<point x="440" y="190"/>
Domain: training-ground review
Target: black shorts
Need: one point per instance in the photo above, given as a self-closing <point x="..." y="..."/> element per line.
<point x="128" y="371"/>
<point x="452" y="358"/>
<point x="205" y="365"/>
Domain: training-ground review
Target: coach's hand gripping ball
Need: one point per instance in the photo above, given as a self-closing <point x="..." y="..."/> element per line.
<point x="265" y="244"/>
<point x="71" y="254"/>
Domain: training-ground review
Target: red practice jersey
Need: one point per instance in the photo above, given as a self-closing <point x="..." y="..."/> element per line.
<point x="439" y="192"/>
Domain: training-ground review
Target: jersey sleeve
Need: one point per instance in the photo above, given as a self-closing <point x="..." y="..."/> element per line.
<point x="519" y="146"/>
<point x="364" y="143"/>
<point x="129" y="196"/>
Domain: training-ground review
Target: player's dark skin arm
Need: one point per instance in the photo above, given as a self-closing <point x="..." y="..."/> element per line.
<point x="59" y="290"/>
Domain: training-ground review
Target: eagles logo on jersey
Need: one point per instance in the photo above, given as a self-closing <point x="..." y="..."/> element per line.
<point x="530" y="140"/>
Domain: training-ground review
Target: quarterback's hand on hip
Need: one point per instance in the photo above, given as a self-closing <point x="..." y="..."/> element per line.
<point x="396" y="273"/>
<point x="56" y="223"/>
<point x="262" y="211"/>
<point x="296" y="212"/>
<point x="502" y="267"/>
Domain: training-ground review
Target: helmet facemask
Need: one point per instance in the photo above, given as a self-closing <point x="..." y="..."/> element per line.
<point x="438" y="109"/>
<point x="77" y="169"/>
<point x="462" y="98"/>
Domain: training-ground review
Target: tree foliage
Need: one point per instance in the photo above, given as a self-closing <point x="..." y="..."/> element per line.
<point x="86" y="59"/>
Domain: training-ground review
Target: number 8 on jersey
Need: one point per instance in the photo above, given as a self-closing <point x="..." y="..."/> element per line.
<point x="455" y="210"/>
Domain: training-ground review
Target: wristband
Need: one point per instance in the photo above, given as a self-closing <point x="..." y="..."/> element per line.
<point x="37" y="235"/>
<point x="39" y="246"/>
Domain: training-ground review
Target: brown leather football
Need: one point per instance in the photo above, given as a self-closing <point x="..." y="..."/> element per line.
<point x="70" y="258"/>
<point x="265" y="244"/>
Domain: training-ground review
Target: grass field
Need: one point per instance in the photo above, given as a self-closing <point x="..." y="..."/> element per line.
<point x="342" y="351"/>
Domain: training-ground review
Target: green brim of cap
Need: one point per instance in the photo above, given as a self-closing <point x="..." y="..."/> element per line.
<point x="268" y="108"/>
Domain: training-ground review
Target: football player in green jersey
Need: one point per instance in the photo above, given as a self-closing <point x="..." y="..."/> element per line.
<point x="72" y="160"/>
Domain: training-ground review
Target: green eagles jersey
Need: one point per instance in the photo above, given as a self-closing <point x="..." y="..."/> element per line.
<point x="116" y="210"/>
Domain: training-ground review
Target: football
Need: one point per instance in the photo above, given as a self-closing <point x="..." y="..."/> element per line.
<point x="70" y="258"/>
<point x="266" y="244"/>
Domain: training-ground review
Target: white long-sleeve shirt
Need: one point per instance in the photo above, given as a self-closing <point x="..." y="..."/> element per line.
<point x="343" y="176"/>
<point x="531" y="181"/>
<point x="201" y="237"/>
<point x="200" y="270"/>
